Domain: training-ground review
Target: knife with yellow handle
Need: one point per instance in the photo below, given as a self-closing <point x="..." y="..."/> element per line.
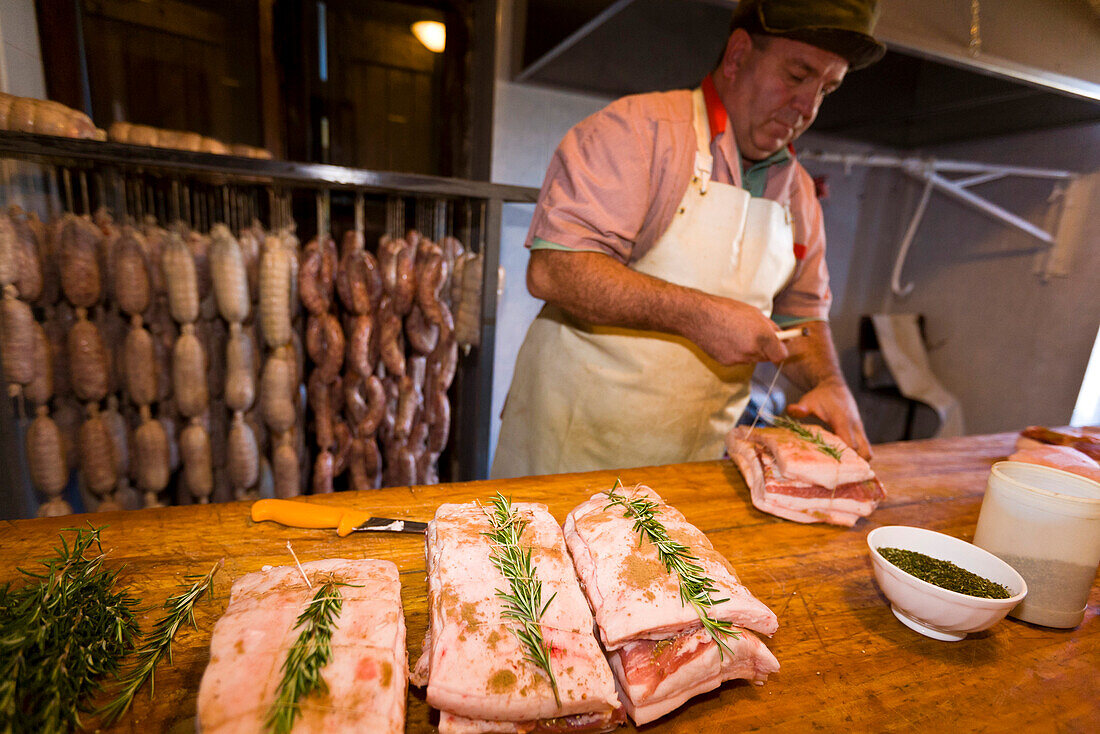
<point x="345" y="521"/>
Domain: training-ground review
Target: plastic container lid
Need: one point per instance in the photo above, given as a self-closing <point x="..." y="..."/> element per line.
<point x="1076" y="495"/>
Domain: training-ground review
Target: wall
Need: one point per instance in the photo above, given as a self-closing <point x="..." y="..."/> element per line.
<point x="20" y="58"/>
<point x="1012" y="347"/>
<point x="528" y="124"/>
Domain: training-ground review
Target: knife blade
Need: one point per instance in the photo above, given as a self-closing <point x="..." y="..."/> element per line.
<point x="345" y="521"/>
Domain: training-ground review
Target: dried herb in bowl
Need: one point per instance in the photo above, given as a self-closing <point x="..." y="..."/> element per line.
<point x="944" y="574"/>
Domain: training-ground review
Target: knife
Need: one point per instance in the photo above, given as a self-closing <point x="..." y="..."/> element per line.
<point x="310" y="515"/>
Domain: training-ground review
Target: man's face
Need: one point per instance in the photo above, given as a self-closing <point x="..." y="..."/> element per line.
<point x="776" y="88"/>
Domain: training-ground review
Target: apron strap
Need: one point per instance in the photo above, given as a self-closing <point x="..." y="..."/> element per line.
<point x="704" y="161"/>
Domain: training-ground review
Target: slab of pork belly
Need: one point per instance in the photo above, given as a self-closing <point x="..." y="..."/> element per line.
<point x="796" y="500"/>
<point x="800" y="501"/>
<point x="1057" y="457"/>
<point x="843" y="505"/>
<point x="580" y="724"/>
<point x="474" y="664"/>
<point x="631" y="593"/>
<point x="366" y="675"/>
<point x="1085" y="439"/>
<point x="655" y="678"/>
<point x="800" y="460"/>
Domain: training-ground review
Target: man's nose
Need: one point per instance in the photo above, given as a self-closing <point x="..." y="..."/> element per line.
<point x="806" y="99"/>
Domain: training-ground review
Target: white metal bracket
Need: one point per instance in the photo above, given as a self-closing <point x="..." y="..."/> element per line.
<point x="930" y="172"/>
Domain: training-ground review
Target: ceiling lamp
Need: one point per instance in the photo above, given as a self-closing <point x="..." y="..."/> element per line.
<point x="432" y="34"/>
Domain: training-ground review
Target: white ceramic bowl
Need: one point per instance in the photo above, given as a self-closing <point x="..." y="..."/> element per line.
<point x="933" y="611"/>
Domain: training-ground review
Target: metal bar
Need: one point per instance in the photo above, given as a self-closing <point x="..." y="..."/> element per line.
<point x="889" y="161"/>
<point x="988" y="207"/>
<point x="483" y="373"/>
<point x="315" y="175"/>
<point x="979" y="178"/>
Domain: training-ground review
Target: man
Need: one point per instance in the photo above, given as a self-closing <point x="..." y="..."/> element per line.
<point x="669" y="227"/>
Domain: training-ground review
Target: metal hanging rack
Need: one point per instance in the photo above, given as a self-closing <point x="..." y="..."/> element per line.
<point x="202" y="189"/>
<point x="930" y="172"/>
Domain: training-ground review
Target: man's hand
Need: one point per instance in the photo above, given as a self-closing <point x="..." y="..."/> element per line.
<point x="735" y="333"/>
<point x="832" y="402"/>
<point x="814" y="367"/>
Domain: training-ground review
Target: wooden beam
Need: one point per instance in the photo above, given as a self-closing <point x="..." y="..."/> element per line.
<point x="272" y="108"/>
<point x="168" y="16"/>
<point x="60" y="37"/>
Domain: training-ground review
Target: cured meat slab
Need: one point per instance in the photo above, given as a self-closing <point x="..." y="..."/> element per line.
<point x="632" y="595"/>
<point x="1066" y="458"/>
<point x="657" y="647"/>
<point x="1085" y="439"/>
<point x="366" y="675"/>
<point x="656" y="677"/>
<point x="473" y="665"/>
<point x="792" y="478"/>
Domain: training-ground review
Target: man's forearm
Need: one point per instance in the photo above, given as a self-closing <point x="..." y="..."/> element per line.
<point x="813" y="359"/>
<point x="598" y="289"/>
<point x="595" y="288"/>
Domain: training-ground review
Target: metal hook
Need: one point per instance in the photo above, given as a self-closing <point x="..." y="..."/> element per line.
<point x="100" y="190"/>
<point x="272" y="213"/>
<point x="903" y="251"/>
<point x="187" y="219"/>
<point x="67" y="182"/>
<point x="118" y="193"/>
<point x="468" y="225"/>
<point x="175" y="197"/>
<point x="322" y="213"/>
<point x="51" y="189"/>
<point x="441" y="219"/>
<point x="391" y="216"/>
<point x="84" y="192"/>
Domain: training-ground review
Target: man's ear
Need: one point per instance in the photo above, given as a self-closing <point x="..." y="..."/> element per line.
<point x="737" y="49"/>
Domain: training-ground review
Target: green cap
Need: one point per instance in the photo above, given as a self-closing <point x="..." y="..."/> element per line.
<point x="841" y="26"/>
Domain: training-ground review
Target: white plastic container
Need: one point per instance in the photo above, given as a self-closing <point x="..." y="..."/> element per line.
<point x="1045" y="523"/>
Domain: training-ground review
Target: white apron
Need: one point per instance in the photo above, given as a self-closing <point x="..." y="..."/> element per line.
<point x="591" y="397"/>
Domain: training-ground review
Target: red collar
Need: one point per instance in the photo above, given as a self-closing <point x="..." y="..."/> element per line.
<point x="716" y="111"/>
<point x="717" y="117"/>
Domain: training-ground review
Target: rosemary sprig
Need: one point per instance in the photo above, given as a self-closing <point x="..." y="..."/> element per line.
<point x="181" y="608"/>
<point x="523" y="601"/>
<point x="806" y="434"/>
<point x="61" y="636"/>
<point x="307" y="656"/>
<point x="695" y="586"/>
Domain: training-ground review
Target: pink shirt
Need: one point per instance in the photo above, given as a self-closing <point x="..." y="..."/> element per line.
<point x="615" y="181"/>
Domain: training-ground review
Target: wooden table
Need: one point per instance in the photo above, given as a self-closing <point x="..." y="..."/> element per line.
<point x="847" y="663"/>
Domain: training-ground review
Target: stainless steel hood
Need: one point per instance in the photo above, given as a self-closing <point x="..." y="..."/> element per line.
<point x="1026" y="65"/>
